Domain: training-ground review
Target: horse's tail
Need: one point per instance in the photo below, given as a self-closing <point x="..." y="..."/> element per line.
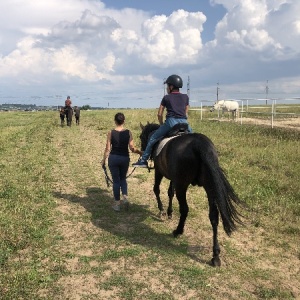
<point x="226" y="198"/>
<point x="223" y="193"/>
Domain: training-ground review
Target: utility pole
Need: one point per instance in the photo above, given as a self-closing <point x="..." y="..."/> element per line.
<point x="188" y="86"/>
<point x="164" y="86"/>
<point x="267" y="92"/>
<point x="218" y="91"/>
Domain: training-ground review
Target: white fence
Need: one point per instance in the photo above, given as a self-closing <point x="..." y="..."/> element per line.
<point x="245" y="104"/>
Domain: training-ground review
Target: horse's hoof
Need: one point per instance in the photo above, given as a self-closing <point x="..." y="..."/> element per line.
<point x="176" y="233"/>
<point x="170" y="217"/>
<point x="162" y="214"/>
<point x="215" y="262"/>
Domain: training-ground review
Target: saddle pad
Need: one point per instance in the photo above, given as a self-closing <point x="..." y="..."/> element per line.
<point x="162" y="144"/>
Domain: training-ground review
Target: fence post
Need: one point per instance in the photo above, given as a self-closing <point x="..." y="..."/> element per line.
<point x="201" y="110"/>
<point x="241" y="116"/>
<point x="272" y="117"/>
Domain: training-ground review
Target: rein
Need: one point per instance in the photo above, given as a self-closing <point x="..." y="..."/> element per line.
<point x="108" y="179"/>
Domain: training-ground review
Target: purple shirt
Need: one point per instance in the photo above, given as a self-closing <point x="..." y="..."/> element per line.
<point x="176" y="104"/>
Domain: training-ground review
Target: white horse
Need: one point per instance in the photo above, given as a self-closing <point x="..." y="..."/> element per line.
<point x="227" y="105"/>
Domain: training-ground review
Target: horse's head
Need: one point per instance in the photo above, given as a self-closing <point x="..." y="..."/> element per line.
<point x="146" y="132"/>
<point x="216" y="105"/>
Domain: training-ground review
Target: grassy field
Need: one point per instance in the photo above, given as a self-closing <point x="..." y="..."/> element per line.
<point x="60" y="239"/>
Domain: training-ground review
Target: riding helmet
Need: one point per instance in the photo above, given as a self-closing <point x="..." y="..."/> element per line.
<point x="174" y="80"/>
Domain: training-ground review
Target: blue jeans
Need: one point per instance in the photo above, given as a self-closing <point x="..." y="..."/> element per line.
<point x="118" y="166"/>
<point x="160" y="132"/>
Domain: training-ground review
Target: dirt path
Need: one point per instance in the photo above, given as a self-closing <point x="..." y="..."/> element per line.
<point x="83" y="200"/>
<point x="80" y="199"/>
<point x="292" y="123"/>
<point x="77" y="157"/>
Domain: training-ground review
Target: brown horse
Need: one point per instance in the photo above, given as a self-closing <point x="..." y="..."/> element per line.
<point x="69" y="115"/>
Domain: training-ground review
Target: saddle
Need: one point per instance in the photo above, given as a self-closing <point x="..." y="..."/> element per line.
<point x="177" y="130"/>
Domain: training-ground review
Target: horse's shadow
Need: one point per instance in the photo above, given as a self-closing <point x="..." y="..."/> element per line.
<point x="129" y="224"/>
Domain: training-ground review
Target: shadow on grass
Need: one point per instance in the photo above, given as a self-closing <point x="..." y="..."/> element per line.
<point x="129" y="225"/>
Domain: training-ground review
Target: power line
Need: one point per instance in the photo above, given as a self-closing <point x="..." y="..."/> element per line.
<point x="267" y="92"/>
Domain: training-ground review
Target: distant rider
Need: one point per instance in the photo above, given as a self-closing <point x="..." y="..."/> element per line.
<point x="68" y="111"/>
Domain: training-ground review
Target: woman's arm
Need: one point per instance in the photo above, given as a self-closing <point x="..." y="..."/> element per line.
<point x="107" y="148"/>
<point x="131" y="145"/>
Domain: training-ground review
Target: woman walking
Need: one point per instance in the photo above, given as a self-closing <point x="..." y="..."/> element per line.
<point x="117" y="144"/>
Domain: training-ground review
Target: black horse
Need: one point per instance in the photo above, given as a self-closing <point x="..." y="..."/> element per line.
<point x="192" y="159"/>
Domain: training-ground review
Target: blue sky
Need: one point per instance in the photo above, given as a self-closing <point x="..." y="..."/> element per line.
<point x="117" y="53"/>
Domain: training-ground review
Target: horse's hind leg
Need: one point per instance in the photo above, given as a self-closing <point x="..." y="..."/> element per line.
<point x="171" y="196"/>
<point x="214" y="220"/>
<point x="183" y="209"/>
<point x="233" y="115"/>
<point x="156" y="190"/>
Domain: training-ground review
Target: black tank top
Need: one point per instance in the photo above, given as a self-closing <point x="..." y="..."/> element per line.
<point x="119" y="142"/>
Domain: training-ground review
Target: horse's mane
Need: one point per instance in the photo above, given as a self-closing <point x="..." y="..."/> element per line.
<point x="149" y="128"/>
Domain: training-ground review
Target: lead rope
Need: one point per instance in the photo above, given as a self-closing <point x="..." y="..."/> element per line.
<point x="108" y="179"/>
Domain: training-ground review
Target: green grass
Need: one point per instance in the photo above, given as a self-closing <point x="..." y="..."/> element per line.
<point x="58" y="231"/>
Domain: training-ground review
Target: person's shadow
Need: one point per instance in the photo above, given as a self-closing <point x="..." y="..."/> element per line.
<point x="128" y="225"/>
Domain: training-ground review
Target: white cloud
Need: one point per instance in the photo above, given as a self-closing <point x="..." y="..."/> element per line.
<point x="70" y="63"/>
<point x="172" y="40"/>
<point x="283" y="24"/>
<point x="24" y="59"/>
<point x="100" y="38"/>
<point x="243" y="25"/>
<point x="297" y="27"/>
<point x="260" y="24"/>
<point x="84" y="42"/>
<point x="108" y="62"/>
